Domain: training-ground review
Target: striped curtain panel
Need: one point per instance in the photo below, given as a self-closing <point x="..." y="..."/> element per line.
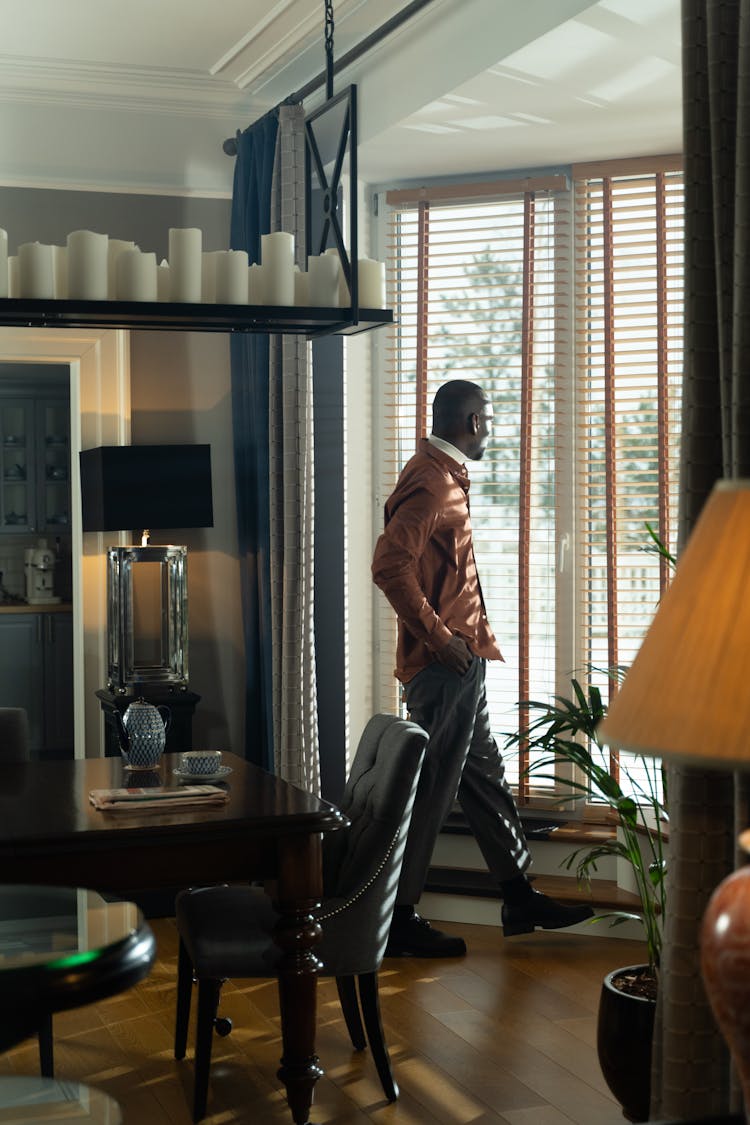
<point x="292" y="514"/>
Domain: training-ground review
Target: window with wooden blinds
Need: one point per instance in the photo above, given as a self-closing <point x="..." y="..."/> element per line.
<point x="628" y="364"/>
<point x="565" y="304"/>
<point x="475" y="287"/>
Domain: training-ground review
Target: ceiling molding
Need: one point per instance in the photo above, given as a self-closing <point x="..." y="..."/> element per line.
<point x="142" y="112"/>
<point x="144" y="88"/>
<point x="276" y="44"/>
<point x="111" y="187"/>
<point x="242" y="45"/>
<point x="220" y="110"/>
<point x="287" y="49"/>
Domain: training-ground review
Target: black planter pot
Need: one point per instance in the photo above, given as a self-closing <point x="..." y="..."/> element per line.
<point x="625" y="1032"/>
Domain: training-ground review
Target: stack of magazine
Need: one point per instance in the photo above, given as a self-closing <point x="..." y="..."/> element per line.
<point x="166" y="800"/>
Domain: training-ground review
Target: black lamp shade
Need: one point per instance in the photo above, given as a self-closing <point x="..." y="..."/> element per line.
<point x="124" y="487"/>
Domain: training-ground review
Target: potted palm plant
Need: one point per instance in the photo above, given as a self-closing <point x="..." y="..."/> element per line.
<point x="564" y="733"/>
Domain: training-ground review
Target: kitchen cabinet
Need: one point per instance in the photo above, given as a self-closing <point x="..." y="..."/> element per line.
<point x="36" y="673"/>
<point x="34" y="464"/>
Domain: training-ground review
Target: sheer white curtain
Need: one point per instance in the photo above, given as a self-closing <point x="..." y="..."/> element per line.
<point x="292" y="501"/>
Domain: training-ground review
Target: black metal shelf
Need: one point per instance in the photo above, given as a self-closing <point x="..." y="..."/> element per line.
<point x="164" y="316"/>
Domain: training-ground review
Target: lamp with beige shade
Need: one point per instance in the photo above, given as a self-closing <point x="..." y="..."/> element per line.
<point x="668" y="707"/>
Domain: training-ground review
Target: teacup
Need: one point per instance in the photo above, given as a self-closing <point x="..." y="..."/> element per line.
<point x="199" y="763"/>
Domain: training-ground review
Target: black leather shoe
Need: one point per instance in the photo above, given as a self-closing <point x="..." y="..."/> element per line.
<point x="540" y="912"/>
<point x="415" y="937"/>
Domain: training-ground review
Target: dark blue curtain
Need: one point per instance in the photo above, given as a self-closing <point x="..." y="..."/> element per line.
<point x="251" y="217"/>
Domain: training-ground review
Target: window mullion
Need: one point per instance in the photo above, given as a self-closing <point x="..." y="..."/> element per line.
<point x="525" y="480"/>
<point x="610" y="456"/>
<point x="423" y="321"/>
<point x="661" y="375"/>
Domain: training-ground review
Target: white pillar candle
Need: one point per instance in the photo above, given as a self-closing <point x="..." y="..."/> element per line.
<point x="277" y="259"/>
<point x="256" y="288"/>
<point x="114" y="248"/>
<point x="3" y="263"/>
<point x="185" y="264"/>
<point x="323" y="280"/>
<point x="87" y="266"/>
<point x="36" y="271"/>
<point x="301" y="288"/>
<point x="371" y="283"/>
<point x="232" y="282"/>
<point x="343" y="297"/>
<point x="135" y="276"/>
<point x="60" y="255"/>
<point x="163" y="283"/>
<point x="208" y="276"/>
<point x="13" y="276"/>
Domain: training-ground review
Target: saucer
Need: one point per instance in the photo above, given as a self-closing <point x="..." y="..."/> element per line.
<point x="197" y="778"/>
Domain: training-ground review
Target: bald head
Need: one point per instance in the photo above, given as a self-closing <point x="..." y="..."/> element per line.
<point x="462" y="415"/>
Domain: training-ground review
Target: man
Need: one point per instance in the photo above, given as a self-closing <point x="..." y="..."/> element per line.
<point x="424" y="564"/>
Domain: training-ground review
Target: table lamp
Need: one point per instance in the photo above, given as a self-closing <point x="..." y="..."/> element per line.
<point x="144" y="486"/>
<point x="669" y="706"/>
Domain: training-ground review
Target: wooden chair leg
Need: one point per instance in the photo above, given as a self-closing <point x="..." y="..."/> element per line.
<point x="370" y="1000"/>
<point x="46" y="1053"/>
<point x="350" y="1007"/>
<point x="208" y="1002"/>
<point x="184" y="993"/>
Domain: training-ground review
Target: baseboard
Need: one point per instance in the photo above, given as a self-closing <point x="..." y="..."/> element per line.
<point x="462" y="909"/>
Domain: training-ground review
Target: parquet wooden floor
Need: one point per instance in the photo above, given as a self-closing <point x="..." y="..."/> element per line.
<point x="506" y="1034"/>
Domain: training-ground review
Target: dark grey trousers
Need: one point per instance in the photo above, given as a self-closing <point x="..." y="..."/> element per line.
<point x="462" y="760"/>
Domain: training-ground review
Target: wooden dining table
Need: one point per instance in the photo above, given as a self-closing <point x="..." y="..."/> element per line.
<point x="267" y="830"/>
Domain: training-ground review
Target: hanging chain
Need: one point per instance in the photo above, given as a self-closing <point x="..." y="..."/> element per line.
<point x="329" y="48"/>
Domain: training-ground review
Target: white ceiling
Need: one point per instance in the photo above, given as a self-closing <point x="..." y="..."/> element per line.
<point x="139" y="95"/>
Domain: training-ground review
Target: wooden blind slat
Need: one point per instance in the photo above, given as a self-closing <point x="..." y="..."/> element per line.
<point x="490" y="189"/>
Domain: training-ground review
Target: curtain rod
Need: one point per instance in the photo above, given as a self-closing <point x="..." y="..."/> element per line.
<point x="230" y="144"/>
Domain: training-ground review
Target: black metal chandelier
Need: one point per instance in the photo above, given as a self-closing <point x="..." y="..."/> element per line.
<point x="331" y="156"/>
<point x="331" y="138"/>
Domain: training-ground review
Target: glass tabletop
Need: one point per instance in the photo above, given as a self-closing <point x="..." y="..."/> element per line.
<point x="24" y="1101"/>
<point x="60" y="927"/>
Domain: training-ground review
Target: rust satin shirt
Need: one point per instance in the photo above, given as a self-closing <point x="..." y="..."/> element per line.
<point x="424" y="563"/>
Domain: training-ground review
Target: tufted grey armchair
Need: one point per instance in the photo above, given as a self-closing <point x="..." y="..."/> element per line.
<point x="226" y="931"/>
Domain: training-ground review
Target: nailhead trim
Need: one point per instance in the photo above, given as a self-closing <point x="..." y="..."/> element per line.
<point x="350" y="902"/>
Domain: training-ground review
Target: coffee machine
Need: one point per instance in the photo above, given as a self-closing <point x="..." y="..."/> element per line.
<point x="39" y="565"/>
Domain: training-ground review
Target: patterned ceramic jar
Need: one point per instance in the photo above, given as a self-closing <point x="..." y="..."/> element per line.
<point x="144" y="735"/>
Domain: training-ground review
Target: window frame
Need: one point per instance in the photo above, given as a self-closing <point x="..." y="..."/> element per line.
<point x="567" y="643"/>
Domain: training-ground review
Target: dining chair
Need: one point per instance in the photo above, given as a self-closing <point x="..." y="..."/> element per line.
<point x="227" y="931"/>
<point x="14" y="735"/>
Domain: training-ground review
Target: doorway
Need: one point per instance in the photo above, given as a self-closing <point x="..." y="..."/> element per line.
<point x="98" y="377"/>
<point x="36" y="610"/>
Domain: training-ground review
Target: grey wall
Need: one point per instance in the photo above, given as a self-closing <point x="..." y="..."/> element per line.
<point x="180" y="392"/>
<point x="38" y="215"/>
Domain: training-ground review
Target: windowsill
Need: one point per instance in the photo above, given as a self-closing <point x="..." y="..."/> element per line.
<point x="603" y="893"/>
<point x="555" y="825"/>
